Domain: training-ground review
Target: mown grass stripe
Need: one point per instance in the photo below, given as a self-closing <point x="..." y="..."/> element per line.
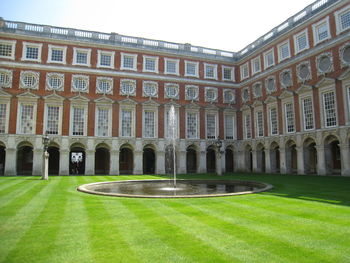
<point x="112" y="247"/>
<point x="9" y="184"/>
<point x="269" y="224"/>
<point x="44" y="229"/>
<point x="71" y="243"/>
<point x="194" y="247"/>
<point x="141" y="237"/>
<point x="21" y="220"/>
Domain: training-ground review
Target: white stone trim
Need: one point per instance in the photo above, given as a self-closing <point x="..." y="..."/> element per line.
<point x="64" y="55"/>
<point x="156" y="62"/>
<point x="196" y="75"/>
<point x="316" y="26"/>
<point x="337" y="15"/>
<point x="30" y="44"/>
<point x="13" y="48"/>
<point x="108" y="53"/>
<point x="82" y="50"/>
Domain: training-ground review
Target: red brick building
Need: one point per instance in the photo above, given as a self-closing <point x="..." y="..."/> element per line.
<point x="280" y="105"/>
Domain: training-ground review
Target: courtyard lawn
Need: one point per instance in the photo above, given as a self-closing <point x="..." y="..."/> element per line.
<point x="303" y="219"/>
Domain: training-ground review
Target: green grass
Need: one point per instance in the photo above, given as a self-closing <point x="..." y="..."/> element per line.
<point x="303" y="219"/>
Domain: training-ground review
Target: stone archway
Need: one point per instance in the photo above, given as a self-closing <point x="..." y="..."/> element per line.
<point x="310" y="156"/>
<point x="77" y="158"/>
<point x="54" y="159"/>
<point x="25" y="159"/>
<point x="126" y="159"/>
<point x="149" y="160"/>
<point x="291" y="157"/>
<point x="102" y="159"/>
<point x="211" y="160"/>
<point x="332" y="155"/>
<point x="191" y="159"/>
<point x="229" y="161"/>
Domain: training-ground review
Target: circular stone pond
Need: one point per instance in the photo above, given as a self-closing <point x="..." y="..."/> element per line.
<point x="166" y="189"/>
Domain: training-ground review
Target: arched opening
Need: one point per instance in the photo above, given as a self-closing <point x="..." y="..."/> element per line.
<point x="191" y="160"/>
<point x="310" y="156"/>
<point x="291" y="157"/>
<point x="211" y="160"/>
<point x="260" y="155"/>
<point x="25" y="159"/>
<point x="54" y="160"/>
<point x="149" y="161"/>
<point x="102" y="159"/>
<point x="275" y="158"/>
<point x="126" y="160"/>
<point x="229" y="163"/>
<point x="169" y="159"/>
<point x="332" y="155"/>
<point x="248" y="158"/>
<point x="77" y="160"/>
<point x="2" y="159"/>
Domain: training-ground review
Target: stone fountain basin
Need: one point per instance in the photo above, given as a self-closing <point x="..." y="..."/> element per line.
<point x="165" y="188"/>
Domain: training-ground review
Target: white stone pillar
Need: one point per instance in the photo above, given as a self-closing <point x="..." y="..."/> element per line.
<point x="283" y="161"/>
<point x="114" y="162"/>
<point x="45" y="175"/>
<point x="268" y="161"/>
<point x="202" y="162"/>
<point x="255" y="161"/>
<point x="10" y="162"/>
<point x="321" y="164"/>
<point x="223" y="162"/>
<point x="138" y="162"/>
<point x="38" y="156"/>
<point x="218" y="162"/>
<point x="345" y="159"/>
<point x="64" y="162"/>
<point x="160" y="162"/>
<point x="300" y="157"/>
<point x="90" y="162"/>
<point x="181" y="165"/>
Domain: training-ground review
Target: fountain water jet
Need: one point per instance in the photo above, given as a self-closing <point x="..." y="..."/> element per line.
<point x="172" y="135"/>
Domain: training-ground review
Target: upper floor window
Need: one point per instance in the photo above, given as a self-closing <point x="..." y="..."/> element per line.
<point x="54" y="81"/>
<point x="330" y="114"/>
<point x="191" y="92"/>
<point x="105" y="59"/>
<point x="273" y="121"/>
<point x="52" y="119"/>
<point x="57" y="54"/>
<point x="150" y="64"/>
<point x="150" y="89"/>
<point x="191" y="69"/>
<point x="80" y="83"/>
<point x="129" y="61"/>
<point x="104" y="85"/>
<point x="171" y="66"/>
<point x="149" y="123"/>
<point x="7" y="49"/>
<point x="321" y="30"/>
<point x="211" y="126"/>
<point x="210" y="71"/>
<point x="283" y="51"/>
<point x="308" y="113"/>
<point x="301" y="41"/>
<point x="259" y="124"/>
<point x="211" y="94"/>
<point x="171" y="91"/>
<point x="244" y="71"/>
<point x="26" y="118"/>
<point x="102" y="121"/>
<point x="29" y="80"/>
<point x="31" y="52"/>
<point x="343" y="19"/>
<point x="269" y="58"/>
<point x="256" y="65"/>
<point x="78" y="120"/>
<point x="81" y="56"/>
<point x="192" y="125"/>
<point x="229" y="127"/>
<point x="227" y="73"/>
<point x="5" y="78"/>
<point x="247" y="126"/>
<point x="3" y="117"/>
<point x="229" y="96"/>
<point x="289" y="117"/>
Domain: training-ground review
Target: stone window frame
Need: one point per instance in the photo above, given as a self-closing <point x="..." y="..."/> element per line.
<point x="302" y="97"/>
<point x="244" y="68"/>
<point x="266" y="58"/>
<point x="9" y="74"/>
<point x="87" y="51"/>
<point x="85" y="115"/>
<point x="156" y="89"/>
<point x="196" y="112"/>
<point x="154" y="109"/>
<point x="233" y="93"/>
<point x="279" y="48"/>
<point x="7" y="101"/>
<point x="284" y="102"/>
<point x="172" y="60"/>
<point x="196" y="65"/>
<point x="254" y="62"/>
<point x="232" y="70"/>
<point x="321" y="92"/>
<point x="133" y="84"/>
<point x="296" y="37"/>
<point x="166" y="93"/>
<point x="283" y="85"/>
<point x="166" y="121"/>
<point x="298" y="67"/>
<point x="255" y="85"/>
<point x="248" y="114"/>
<point x="316" y="26"/>
<point x="194" y="87"/>
<point x="269" y="107"/>
<point x="34" y="74"/>
<point x="86" y="78"/>
<point x="215" y="71"/>
<point x="230" y="114"/>
<point x="341" y="55"/>
<point x="243" y="94"/>
<point x="337" y="15"/>
<point x="58" y="104"/>
<point x="26" y="101"/>
<point x="107" y="79"/>
<point x="56" y="47"/>
<point x="132" y="109"/>
<point x="211" y="89"/>
<point x="258" y="110"/>
<point x="33" y="45"/>
<point x="130" y="55"/>
<point x="216" y="118"/>
<point x="318" y="59"/>
<point x="101" y="53"/>
<point x="156" y="63"/>
<point x="267" y="86"/>
<point x="13" y="48"/>
<point x="107" y="107"/>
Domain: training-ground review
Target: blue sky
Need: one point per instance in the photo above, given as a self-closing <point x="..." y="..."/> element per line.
<point x="221" y="24"/>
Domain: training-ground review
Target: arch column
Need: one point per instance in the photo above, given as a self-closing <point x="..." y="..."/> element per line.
<point x="255" y="161"/>
<point x="64" y="162"/>
<point x="283" y="161"/>
<point x="181" y="168"/>
<point x="239" y="159"/>
<point x="38" y="155"/>
<point x="267" y="161"/>
<point x="218" y="162"/>
<point x="138" y="162"/>
<point x="160" y="162"/>
<point x="321" y="164"/>
<point x="10" y="161"/>
<point x="344" y="156"/>
<point x="114" y="162"/>
<point x="202" y="162"/>
<point x="300" y="157"/>
<point x="90" y="162"/>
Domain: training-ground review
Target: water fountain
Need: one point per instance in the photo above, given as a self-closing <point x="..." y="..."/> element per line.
<point x="174" y="188"/>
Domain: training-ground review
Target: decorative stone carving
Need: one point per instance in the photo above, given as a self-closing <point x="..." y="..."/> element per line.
<point x="245" y="95"/>
<point x="229" y="96"/>
<point x="270" y="84"/>
<point x="104" y="85"/>
<point x="150" y="89"/>
<point x="324" y="63"/>
<point x="171" y="91"/>
<point x="29" y="80"/>
<point x="192" y="92"/>
<point x="257" y="90"/>
<point x="5" y="78"/>
<point x="286" y="79"/>
<point x="344" y="53"/>
<point x="211" y="94"/>
<point x="80" y="83"/>
<point x="54" y="81"/>
<point x="304" y="71"/>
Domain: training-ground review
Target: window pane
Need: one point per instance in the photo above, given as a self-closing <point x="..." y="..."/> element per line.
<point x="102" y="122"/>
<point x="229" y="127"/>
<point x="211" y="125"/>
<point x="260" y="124"/>
<point x="57" y="55"/>
<point x="191" y="125"/>
<point x="32" y="53"/>
<point x="308" y="114"/>
<point x="78" y="121"/>
<point x="126" y="123"/>
<point x="2" y="118"/>
<point x="329" y="109"/>
<point x="26" y="120"/>
<point x="149" y="124"/>
<point x="289" y="111"/>
<point x="273" y="121"/>
<point x="5" y="50"/>
<point x="52" y="119"/>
